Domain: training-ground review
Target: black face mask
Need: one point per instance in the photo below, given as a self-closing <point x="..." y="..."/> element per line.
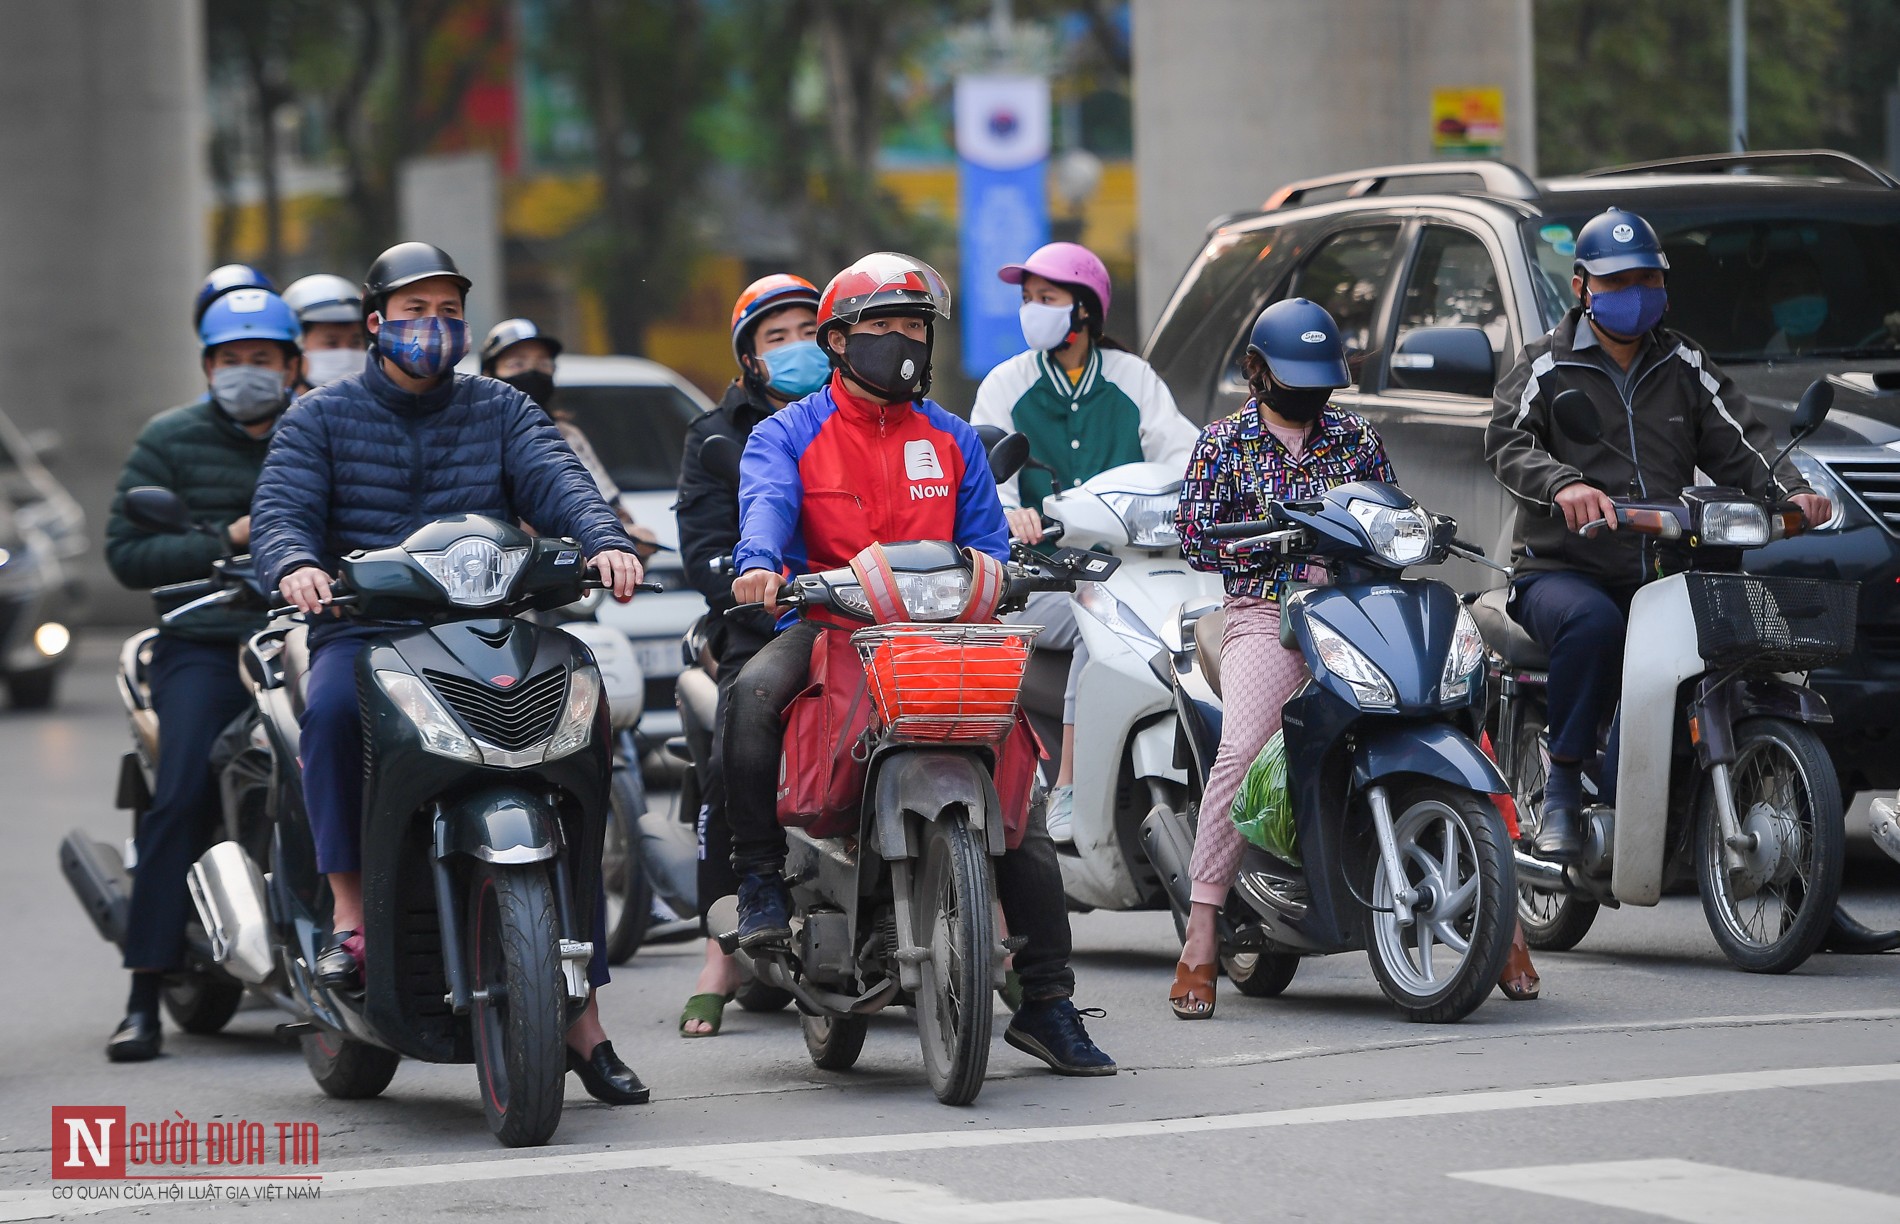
<point x="891" y="365"/>
<point x="537" y="385"/>
<point x="1301" y="405"/>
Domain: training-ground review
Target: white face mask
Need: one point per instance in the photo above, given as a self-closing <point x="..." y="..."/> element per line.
<point x="322" y="366"/>
<point x="1045" y="327"/>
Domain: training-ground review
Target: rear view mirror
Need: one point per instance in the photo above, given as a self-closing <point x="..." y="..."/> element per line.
<point x="1812" y="410"/>
<point x="1576" y="416"/>
<point x="157" y="510"/>
<point x="1454" y="360"/>
<point x="1008" y="455"/>
<point x="720" y="456"/>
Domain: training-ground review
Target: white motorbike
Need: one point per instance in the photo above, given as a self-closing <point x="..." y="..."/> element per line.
<point x="1126" y="760"/>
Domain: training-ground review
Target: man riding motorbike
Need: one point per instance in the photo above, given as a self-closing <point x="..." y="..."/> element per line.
<point x="331" y="311"/>
<point x="222" y="280"/>
<point x="869" y="459"/>
<point x="774" y="325"/>
<point x="207" y="452"/>
<point x="363" y="462"/>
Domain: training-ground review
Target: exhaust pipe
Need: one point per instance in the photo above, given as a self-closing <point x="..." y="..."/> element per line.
<point x="1883" y="820"/>
<point x="98" y="878"/>
<point x="1170" y="847"/>
<point x="1540" y="875"/>
<point x="228" y="890"/>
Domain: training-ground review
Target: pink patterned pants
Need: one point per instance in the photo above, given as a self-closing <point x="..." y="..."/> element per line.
<point x="1257" y="676"/>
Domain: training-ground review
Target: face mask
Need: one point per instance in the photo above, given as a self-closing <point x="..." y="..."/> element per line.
<point x="891" y="365"/>
<point x="321" y="366"/>
<point x="425" y="347"/>
<point x="1630" y="311"/>
<point x="537" y="385"/>
<point x="1300" y="405"/>
<point x="1046" y="327"/>
<point x="249" y="394"/>
<point x="796" y="369"/>
<point x="1802" y="315"/>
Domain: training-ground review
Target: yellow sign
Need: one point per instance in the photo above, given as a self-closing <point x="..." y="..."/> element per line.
<point x="1468" y="121"/>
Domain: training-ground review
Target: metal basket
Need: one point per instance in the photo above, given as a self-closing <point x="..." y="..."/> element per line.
<point x="946" y="683"/>
<point x="1776" y="623"/>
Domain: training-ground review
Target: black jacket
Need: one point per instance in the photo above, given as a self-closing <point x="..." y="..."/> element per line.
<point x="708" y="517"/>
<point x="1682" y="413"/>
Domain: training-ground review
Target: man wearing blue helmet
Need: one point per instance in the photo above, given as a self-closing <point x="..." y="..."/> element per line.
<point x="1664" y="401"/>
<point x="222" y="280"/>
<point x="209" y="453"/>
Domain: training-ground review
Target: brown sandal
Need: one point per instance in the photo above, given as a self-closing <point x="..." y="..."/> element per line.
<point x="1519" y="980"/>
<point x="1192" y="995"/>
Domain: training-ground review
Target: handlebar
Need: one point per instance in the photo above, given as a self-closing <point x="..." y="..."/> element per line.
<point x="187" y="590"/>
<point x="1241" y="531"/>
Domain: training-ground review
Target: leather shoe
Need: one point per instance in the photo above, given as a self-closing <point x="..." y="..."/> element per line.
<point x="1558" y="835"/>
<point x="1051" y="1029"/>
<point x="340" y="967"/>
<point x="137" y="1039"/>
<point x="606" y="1078"/>
<point x="765" y="910"/>
<point x="1851" y="938"/>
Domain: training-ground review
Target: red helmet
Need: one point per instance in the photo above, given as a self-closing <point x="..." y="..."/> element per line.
<point x="884" y="283"/>
<point x="765" y="295"/>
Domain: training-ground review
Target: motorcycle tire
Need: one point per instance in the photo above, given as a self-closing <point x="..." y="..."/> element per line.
<point x="1260" y="975"/>
<point x="519" y="1030"/>
<point x="953" y="899"/>
<point x="1773" y="757"/>
<point x="201" y="1004"/>
<point x="1552" y="922"/>
<point x="623" y="867"/>
<point x="348" y="1070"/>
<point x="1402" y="960"/>
<point x="834" y="1042"/>
<point x="756" y="996"/>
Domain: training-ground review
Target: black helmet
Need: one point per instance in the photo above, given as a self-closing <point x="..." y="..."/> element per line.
<point x="510" y="332"/>
<point x="405" y="264"/>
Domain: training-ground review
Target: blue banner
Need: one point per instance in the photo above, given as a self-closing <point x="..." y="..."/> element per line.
<point x="1004" y="215"/>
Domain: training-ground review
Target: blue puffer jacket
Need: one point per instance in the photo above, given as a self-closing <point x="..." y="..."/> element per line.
<point x="361" y="463"/>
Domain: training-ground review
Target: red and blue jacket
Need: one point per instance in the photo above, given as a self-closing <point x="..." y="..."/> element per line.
<point x="831" y="474"/>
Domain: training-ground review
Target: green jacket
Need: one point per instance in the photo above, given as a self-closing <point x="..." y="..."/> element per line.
<point x="208" y="460"/>
<point x="1118" y="412"/>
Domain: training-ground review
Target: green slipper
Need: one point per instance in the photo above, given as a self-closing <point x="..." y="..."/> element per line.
<point x="1011" y="992"/>
<point x="709" y="1009"/>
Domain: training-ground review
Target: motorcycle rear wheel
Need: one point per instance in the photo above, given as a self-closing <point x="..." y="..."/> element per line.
<point x="834" y="1042"/>
<point x="756" y="996"/>
<point x="348" y="1070"/>
<point x="954" y="903"/>
<point x="1552" y="922"/>
<point x="623" y="867"/>
<point x="1452" y="841"/>
<point x="519" y="1027"/>
<point x="1260" y="975"/>
<point x="200" y="1003"/>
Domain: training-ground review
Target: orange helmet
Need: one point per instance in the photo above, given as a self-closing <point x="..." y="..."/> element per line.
<point x="883" y="283"/>
<point x="762" y="297"/>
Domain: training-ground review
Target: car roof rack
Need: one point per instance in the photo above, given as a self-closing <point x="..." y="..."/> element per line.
<point x="1495" y="177"/>
<point x="1828" y="163"/>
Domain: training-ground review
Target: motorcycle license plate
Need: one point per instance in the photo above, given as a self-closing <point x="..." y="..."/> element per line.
<point x="660" y="658"/>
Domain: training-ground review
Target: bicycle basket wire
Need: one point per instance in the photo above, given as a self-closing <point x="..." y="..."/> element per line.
<point x="942" y="683"/>
<point x="1779" y="624"/>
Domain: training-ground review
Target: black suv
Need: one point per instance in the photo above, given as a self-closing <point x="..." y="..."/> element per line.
<point x="1786" y="266"/>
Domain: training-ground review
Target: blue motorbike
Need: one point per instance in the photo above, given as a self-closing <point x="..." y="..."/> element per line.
<point x="1399" y="847"/>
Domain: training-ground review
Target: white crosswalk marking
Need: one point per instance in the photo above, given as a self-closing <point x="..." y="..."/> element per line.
<point x="1697" y="1193"/>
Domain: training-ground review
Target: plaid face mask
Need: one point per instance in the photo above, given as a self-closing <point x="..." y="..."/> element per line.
<point x="423" y="348"/>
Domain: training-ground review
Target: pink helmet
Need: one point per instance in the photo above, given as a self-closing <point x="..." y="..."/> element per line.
<point x="1065" y="263"/>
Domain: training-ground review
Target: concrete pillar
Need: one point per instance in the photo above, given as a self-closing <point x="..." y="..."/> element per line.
<point x="102" y="235"/>
<point x="1236" y="97"/>
<point x="454" y="202"/>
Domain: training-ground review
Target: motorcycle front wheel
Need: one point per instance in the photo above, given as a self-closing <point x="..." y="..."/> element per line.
<point x="519" y="1018"/>
<point x="1552" y="921"/>
<point x="1771" y="911"/>
<point x="1443" y="960"/>
<point x="623" y="867"/>
<point x="954" y="906"/>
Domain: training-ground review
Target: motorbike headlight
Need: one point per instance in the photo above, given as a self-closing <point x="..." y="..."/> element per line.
<point x="1463" y="660"/>
<point x="576" y="728"/>
<point x="1369" y="685"/>
<point x="1147" y="517"/>
<point x="1399" y="534"/>
<point x="938" y="596"/>
<point x="439" y="732"/>
<point x="1734" y="524"/>
<point x="1816" y="474"/>
<point x="473" y="572"/>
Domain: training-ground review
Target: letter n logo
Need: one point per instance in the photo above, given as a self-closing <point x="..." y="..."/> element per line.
<point x="88" y="1141"/>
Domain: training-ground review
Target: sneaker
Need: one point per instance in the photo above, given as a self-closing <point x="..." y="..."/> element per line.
<point x="765" y="910"/>
<point x="1051" y="1029"/>
<point x="1061" y="813"/>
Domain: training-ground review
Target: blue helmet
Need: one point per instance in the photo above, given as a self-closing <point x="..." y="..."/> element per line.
<point x="224" y="279"/>
<point x="1300" y="344"/>
<point x="248" y="314"/>
<point x="1616" y="240"/>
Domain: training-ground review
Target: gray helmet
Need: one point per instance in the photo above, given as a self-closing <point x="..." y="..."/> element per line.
<point x="510" y="332"/>
<point x="324" y="298"/>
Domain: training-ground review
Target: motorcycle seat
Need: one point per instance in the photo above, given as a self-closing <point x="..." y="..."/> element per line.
<point x="1207" y="635"/>
<point x="297" y="665"/>
<point x="1504" y="635"/>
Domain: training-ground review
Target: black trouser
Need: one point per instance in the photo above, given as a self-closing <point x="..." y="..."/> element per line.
<point x="1028" y="879"/>
<point x="1581" y="624"/>
<point x="716" y="877"/>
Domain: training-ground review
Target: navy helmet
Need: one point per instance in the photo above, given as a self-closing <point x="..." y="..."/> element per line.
<point x="224" y="279"/>
<point x="248" y="314"/>
<point x="1300" y="343"/>
<point x="1616" y="240"/>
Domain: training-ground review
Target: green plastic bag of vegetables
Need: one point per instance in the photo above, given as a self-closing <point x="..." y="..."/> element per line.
<point x="1263" y="811"/>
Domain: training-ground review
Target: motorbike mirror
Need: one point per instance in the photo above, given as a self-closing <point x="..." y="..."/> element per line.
<point x="1007" y="456"/>
<point x="1812" y="410"/>
<point x="1576" y="416"/>
<point x="157" y="510"/>
<point x="990" y="435"/>
<point x="720" y="455"/>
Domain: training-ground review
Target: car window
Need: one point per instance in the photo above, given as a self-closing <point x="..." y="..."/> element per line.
<point x="1346" y="275"/>
<point x="638" y="431"/>
<point x="1219" y="267"/>
<point x="1454" y="283"/>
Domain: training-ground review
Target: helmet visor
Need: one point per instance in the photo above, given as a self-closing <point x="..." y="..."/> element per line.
<point x="887" y="282"/>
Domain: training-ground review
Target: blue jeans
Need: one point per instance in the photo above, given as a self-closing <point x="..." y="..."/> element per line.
<point x="196" y="692"/>
<point x="1580" y="623"/>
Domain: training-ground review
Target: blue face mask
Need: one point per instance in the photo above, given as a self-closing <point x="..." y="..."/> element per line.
<point x="796" y="369"/>
<point x="1630" y="311"/>
<point x="425" y="347"/>
<point x="1802" y="315"/>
